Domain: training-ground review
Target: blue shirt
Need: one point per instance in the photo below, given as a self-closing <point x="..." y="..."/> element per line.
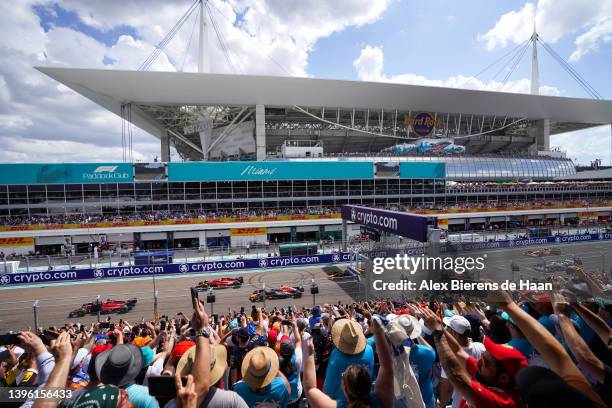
<point x="338" y="363"/>
<point x="422" y="359"/>
<point x="273" y="395"/>
<point x="522" y="345"/>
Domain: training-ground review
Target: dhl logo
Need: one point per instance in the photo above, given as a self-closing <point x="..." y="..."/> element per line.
<point x="248" y="231"/>
<point x="21" y="241"/>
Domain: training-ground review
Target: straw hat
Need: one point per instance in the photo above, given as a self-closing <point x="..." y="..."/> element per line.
<point x="348" y="337"/>
<point x="218" y="362"/>
<point x="259" y="367"/>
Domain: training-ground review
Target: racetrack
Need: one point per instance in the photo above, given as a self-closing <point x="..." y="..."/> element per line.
<point x="56" y="301"/>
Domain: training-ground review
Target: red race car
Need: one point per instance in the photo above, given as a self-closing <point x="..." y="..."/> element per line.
<point x="105" y="307"/>
<point x="222" y="283"/>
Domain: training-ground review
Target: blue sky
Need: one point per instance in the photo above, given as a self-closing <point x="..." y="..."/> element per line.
<point x="423" y="42"/>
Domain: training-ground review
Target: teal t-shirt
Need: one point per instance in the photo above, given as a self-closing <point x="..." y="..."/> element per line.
<point x="273" y="395"/>
<point x="338" y="363"/>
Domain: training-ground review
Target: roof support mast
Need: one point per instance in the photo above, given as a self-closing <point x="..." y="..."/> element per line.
<point x="535" y="80"/>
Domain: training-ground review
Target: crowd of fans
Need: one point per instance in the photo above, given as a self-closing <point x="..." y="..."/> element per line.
<point x="79" y="218"/>
<point x="530" y="349"/>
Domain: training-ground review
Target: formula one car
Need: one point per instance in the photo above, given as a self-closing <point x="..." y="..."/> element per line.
<point x="543" y="252"/>
<point x="105" y="307"/>
<point x="222" y="283"/>
<point x="284" y="292"/>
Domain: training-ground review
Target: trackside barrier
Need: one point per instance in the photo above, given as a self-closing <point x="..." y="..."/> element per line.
<point x="477" y="246"/>
<point x="169" y="269"/>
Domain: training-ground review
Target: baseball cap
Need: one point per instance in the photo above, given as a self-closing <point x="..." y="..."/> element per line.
<point x="180" y="349"/>
<point x="272" y="336"/>
<point x="458" y="324"/>
<point x="512" y="359"/>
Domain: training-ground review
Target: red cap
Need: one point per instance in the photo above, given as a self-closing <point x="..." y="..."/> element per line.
<point x="180" y="349"/>
<point x="100" y="348"/>
<point x="512" y="359"/>
<point x="272" y="336"/>
<point x="285" y="338"/>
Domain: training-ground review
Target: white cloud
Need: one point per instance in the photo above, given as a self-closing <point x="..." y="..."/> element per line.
<point x="584" y="146"/>
<point x="555" y="19"/>
<point x="370" y="67"/>
<point x="41" y="120"/>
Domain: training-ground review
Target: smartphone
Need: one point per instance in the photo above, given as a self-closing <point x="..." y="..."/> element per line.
<point x="242" y="310"/>
<point x="164" y="385"/>
<point x="51" y="334"/>
<point x="162" y="325"/>
<point x="194" y="298"/>
<point x="9" y="339"/>
<point x="287" y="323"/>
<point x="104" y="325"/>
<point x="111" y="327"/>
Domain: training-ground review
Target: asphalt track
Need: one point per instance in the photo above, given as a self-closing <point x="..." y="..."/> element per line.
<point x="56" y="301"/>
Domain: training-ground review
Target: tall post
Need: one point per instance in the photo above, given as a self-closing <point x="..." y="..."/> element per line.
<point x="35" y="309"/>
<point x="155" y="305"/>
<point x="98" y="307"/>
<point x="264" y="293"/>
<point x="344" y="234"/>
<point x="203" y="66"/>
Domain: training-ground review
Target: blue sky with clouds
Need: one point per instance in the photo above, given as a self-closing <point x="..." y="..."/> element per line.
<point x="440" y="43"/>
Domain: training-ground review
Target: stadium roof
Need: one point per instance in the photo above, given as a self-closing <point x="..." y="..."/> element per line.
<point x="340" y="112"/>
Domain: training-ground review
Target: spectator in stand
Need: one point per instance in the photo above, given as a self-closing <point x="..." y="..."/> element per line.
<point x="350" y="349"/>
<point x="262" y="383"/>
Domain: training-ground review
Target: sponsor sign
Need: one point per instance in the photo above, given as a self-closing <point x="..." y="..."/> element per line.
<point x="38" y="227"/>
<point x="66" y="173"/>
<point x="242" y="232"/>
<point x="399" y="223"/>
<point x="423" y="123"/>
<point x="168" y="269"/>
<point x="14" y="242"/>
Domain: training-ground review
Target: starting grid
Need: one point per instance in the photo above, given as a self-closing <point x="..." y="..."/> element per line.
<point x="274" y="262"/>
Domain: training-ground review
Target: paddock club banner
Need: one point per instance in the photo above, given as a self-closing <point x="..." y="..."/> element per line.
<point x="169" y="269"/>
<point x="399" y="223"/>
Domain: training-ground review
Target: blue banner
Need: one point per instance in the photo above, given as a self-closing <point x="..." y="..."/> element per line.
<point x="66" y="173"/>
<point x="168" y="269"/>
<point x="425" y="170"/>
<point x="399" y="223"/>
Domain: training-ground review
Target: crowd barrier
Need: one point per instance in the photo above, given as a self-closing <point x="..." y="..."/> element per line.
<point x="29" y="278"/>
<point x="275" y="262"/>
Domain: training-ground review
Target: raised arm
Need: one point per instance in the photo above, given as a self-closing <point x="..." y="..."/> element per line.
<point x="595" y="322"/>
<point x="576" y="344"/>
<point x="201" y="364"/>
<point x="384" y="380"/>
<point x="59" y="375"/>
<point x="549" y="348"/>
<point x="455" y="371"/>
<point x="316" y="397"/>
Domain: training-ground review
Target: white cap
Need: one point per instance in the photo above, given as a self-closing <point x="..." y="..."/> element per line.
<point x="458" y="323"/>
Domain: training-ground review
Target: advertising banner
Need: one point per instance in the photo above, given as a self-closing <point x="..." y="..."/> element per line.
<point x="243" y="232"/>
<point x="399" y="223"/>
<point x="38" y="227"/>
<point x="66" y="173"/>
<point x="184" y="268"/>
<point x="14" y="242"/>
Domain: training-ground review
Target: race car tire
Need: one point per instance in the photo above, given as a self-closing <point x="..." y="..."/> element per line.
<point x="297" y="295"/>
<point x="124" y="309"/>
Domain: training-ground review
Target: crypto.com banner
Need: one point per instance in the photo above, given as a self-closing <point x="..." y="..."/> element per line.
<point x="399" y="223"/>
<point x="176" y="268"/>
